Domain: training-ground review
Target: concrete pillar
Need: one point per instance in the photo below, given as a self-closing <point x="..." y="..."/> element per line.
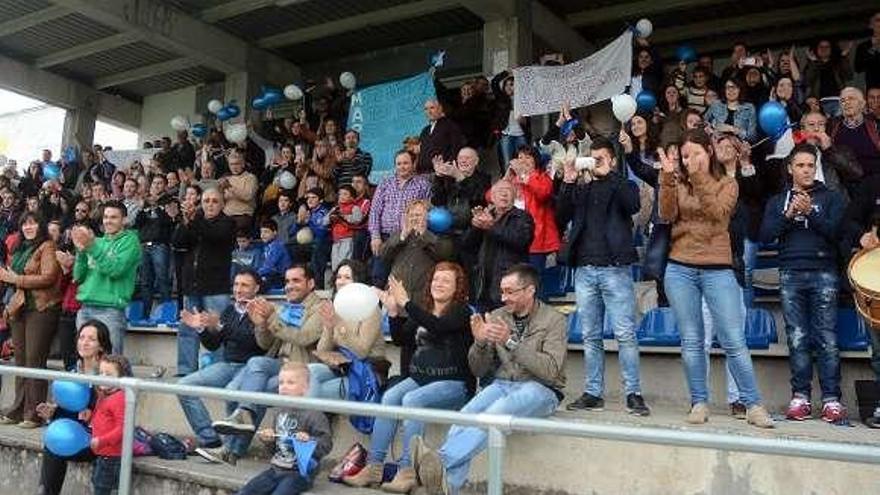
<point x="79" y="128"/>
<point x="507" y="41"/>
<point x="241" y="87"/>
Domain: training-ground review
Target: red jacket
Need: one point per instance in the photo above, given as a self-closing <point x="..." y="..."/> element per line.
<point x="339" y="227"/>
<point x="537" y="192"/>
<point x="107" y="424"/>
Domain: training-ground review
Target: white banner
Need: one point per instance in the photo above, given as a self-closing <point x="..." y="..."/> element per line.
<point x="600" y="76"/>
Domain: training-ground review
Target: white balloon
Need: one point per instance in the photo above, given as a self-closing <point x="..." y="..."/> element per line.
<point x="624" y="107"/>
<point x="179" y="123"/>
<point x="582" y="163"/>
<point x="644" y="28"/>
<point x="347" y="80"/>
<point x="355" y="302"/>
<point x="214" y="106"/>
<point x="286" y="180"/>
<point x="292" y="92"/>
<point x="304" y="236"/>
<point x="236" y="133"/>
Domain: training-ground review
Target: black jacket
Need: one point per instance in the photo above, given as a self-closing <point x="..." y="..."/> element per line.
<point x="460" y="197"/>
<point x="153" y="224"/>
<point x="236" y="335"/>
<point x="622" y="205"/>
<point x="502" y="246"/>
<point x="208" y="245"/>
<point x="502" y="105"/>
<point x="445" y="140"/>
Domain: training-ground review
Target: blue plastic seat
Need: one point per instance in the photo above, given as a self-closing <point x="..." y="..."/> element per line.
<point x="135" y="311"/>
<point x="576" y="334"/>
<point x="165" y="313"/>
<point x="852" y="335"/>
<point x="658" y="328"/>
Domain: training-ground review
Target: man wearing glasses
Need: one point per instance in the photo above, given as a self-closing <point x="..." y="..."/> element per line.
<point x="526" y="341"/>
<point x="601" y="247"/>
<point x="208" y="236"/>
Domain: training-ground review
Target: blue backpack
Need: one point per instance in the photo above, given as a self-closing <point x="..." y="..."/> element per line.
<point x="362" y="387"/>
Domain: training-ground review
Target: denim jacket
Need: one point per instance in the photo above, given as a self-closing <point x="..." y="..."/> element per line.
<point x="746" y="119"/>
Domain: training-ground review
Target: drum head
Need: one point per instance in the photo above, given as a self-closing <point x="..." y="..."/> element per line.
<point x="865" y="271"/>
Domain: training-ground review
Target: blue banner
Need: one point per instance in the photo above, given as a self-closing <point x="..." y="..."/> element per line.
<point x="385" y="114"/>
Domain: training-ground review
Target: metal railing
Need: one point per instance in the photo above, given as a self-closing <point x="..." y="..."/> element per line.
<point x="498" y="426"/>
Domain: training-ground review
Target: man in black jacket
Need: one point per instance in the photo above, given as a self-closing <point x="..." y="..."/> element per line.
<point x="209" y="238"/>
<point x="601" y="247"/>
<point x="234" y="332"/>
<point x="459" y="187"/>
<point x="154" y="228"/>
<point x="440" y="137"/>
<point x="503" y="235"/>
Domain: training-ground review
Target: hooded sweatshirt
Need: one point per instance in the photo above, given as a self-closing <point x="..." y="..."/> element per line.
<point x="106" y="272"/>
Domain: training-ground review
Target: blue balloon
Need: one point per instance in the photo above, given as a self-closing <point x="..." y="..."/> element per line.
<point x="70" y="154"/>
<point x="223" y="114"/>
<point x="65" y="437"/>
<point x="259" y="103"/>
<point x="273" y="98"/>
<point x="71" y="396"/>
<point x="199" y="130"/>
<point x="233" y="110"/>
<point x="772" y="118"/>
<point x="439" y="220"/>
<point x="686" y="53"/>
<point x="646" y="101"/>
<point x="51" y="172"/>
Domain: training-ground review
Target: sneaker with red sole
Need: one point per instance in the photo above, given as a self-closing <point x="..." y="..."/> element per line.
<point x="799" y="409"/>
<point x="833" y="412"/>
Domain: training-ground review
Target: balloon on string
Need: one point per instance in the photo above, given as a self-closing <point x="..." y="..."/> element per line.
<point x="233" y="110"/>
<point x="65" y="437"/>
<point x="304" y="236"/>
<point x="273" y="98"/>
<point x="772" y="118"/>
<point x="624" y="107"/>
<point x="214" y="106"/>
<point x="51" y="171"/>
<point x="686" y="53"/>
<point x="199" y="130"/>
<point x="236" y="133"/>
<point x="439" y="220"/>
<point x="259" y="103"/>
<point x="286" y="180"/>
<point x="347" y="80"/>
<point x="223" y="115"/>
<point x="71" y="396"/>
<point x="644" y="28"/>
<point x="355" y="302"/>
<point x="292" y="92"/>
<point x="646" y="101"/>
<point x="70" y="154"/>
<point x="179" y="123"/>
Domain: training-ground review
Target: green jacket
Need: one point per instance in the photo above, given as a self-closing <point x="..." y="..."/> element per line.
<point x="106" y="272"/>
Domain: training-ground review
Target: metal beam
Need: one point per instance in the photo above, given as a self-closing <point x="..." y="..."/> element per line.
<point x="86" y="49"/>
<point x="769" y="19"/>
<point x="33" y="19"/>
<point x="145" y="72"/>
<point x="66" y="93"/>
<point x="557" y="33"/>
<point x="374" y="18"/>
<point x="234" y="8"/>
<point x="630" y="11"/>
<point x="491" y="10"/>
<point x="171" y="29"/>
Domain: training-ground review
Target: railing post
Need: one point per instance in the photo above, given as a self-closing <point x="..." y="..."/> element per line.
<point x="128" y="437"/>
<point x="495" y="476"/>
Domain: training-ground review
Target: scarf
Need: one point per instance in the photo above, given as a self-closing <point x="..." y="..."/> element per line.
<point x="292" y="314"/>
<point x="21" y="256"/>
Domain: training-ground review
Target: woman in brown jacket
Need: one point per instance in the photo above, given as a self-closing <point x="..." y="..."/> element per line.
<point x="32" y="313"/>
<point x="698" y="199"/>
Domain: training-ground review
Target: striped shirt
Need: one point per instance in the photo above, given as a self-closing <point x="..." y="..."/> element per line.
<point x="390" y="200"/>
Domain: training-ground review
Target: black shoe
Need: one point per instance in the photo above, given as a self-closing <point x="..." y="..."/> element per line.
<point x="635" y="405"/>
<point x="586" y="402"/>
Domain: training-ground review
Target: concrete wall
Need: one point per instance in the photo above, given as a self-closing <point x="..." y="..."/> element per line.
<point x="159" y="108"/>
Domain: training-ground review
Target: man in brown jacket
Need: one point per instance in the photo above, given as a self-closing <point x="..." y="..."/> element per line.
<point x="526" y="340"/>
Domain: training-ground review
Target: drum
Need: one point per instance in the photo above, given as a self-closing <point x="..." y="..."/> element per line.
<point x="864" y="277"/>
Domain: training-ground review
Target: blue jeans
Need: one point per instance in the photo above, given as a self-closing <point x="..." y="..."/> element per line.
<point x="446" y="394"/>
<point x="188" y="338"/>
<point x="507" y="147"/>
<point x="524" y="399"/>
<point x="732" y="391"/>
<point x="155" y="275"/>
<point x="112" y="317"/>
<point x="324" y="383"/>
<point x="539" y="261"/>
<point x="320" y="257"/>
<point x="276" y="481"/>
<point x="105" y="475"/>
<point x="750" y="260"/>
<point x="607" y="288"/>
<point x="809" y="307"/>
<point x="259" y="375"/>
<point x="216" y="375"/>
<point x="685" y="288"/>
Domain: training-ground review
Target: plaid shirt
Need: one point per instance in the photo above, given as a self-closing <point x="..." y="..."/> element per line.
<point x="391" y="199"/>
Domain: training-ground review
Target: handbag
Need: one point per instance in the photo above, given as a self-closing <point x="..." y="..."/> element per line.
<point x="351" y="463"/>
<point x="657" y="251"/>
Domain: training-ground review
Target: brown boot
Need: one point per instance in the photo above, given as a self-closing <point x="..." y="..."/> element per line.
<point x="404" y="481"/>
<point x="370" y="475"/>
<point x="757" y="415"/>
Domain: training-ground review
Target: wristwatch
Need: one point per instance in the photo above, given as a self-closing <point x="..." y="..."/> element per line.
<point x="511" y="344"/>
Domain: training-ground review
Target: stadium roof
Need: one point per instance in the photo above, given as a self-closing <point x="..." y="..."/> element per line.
<point x="134" y="48"/>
